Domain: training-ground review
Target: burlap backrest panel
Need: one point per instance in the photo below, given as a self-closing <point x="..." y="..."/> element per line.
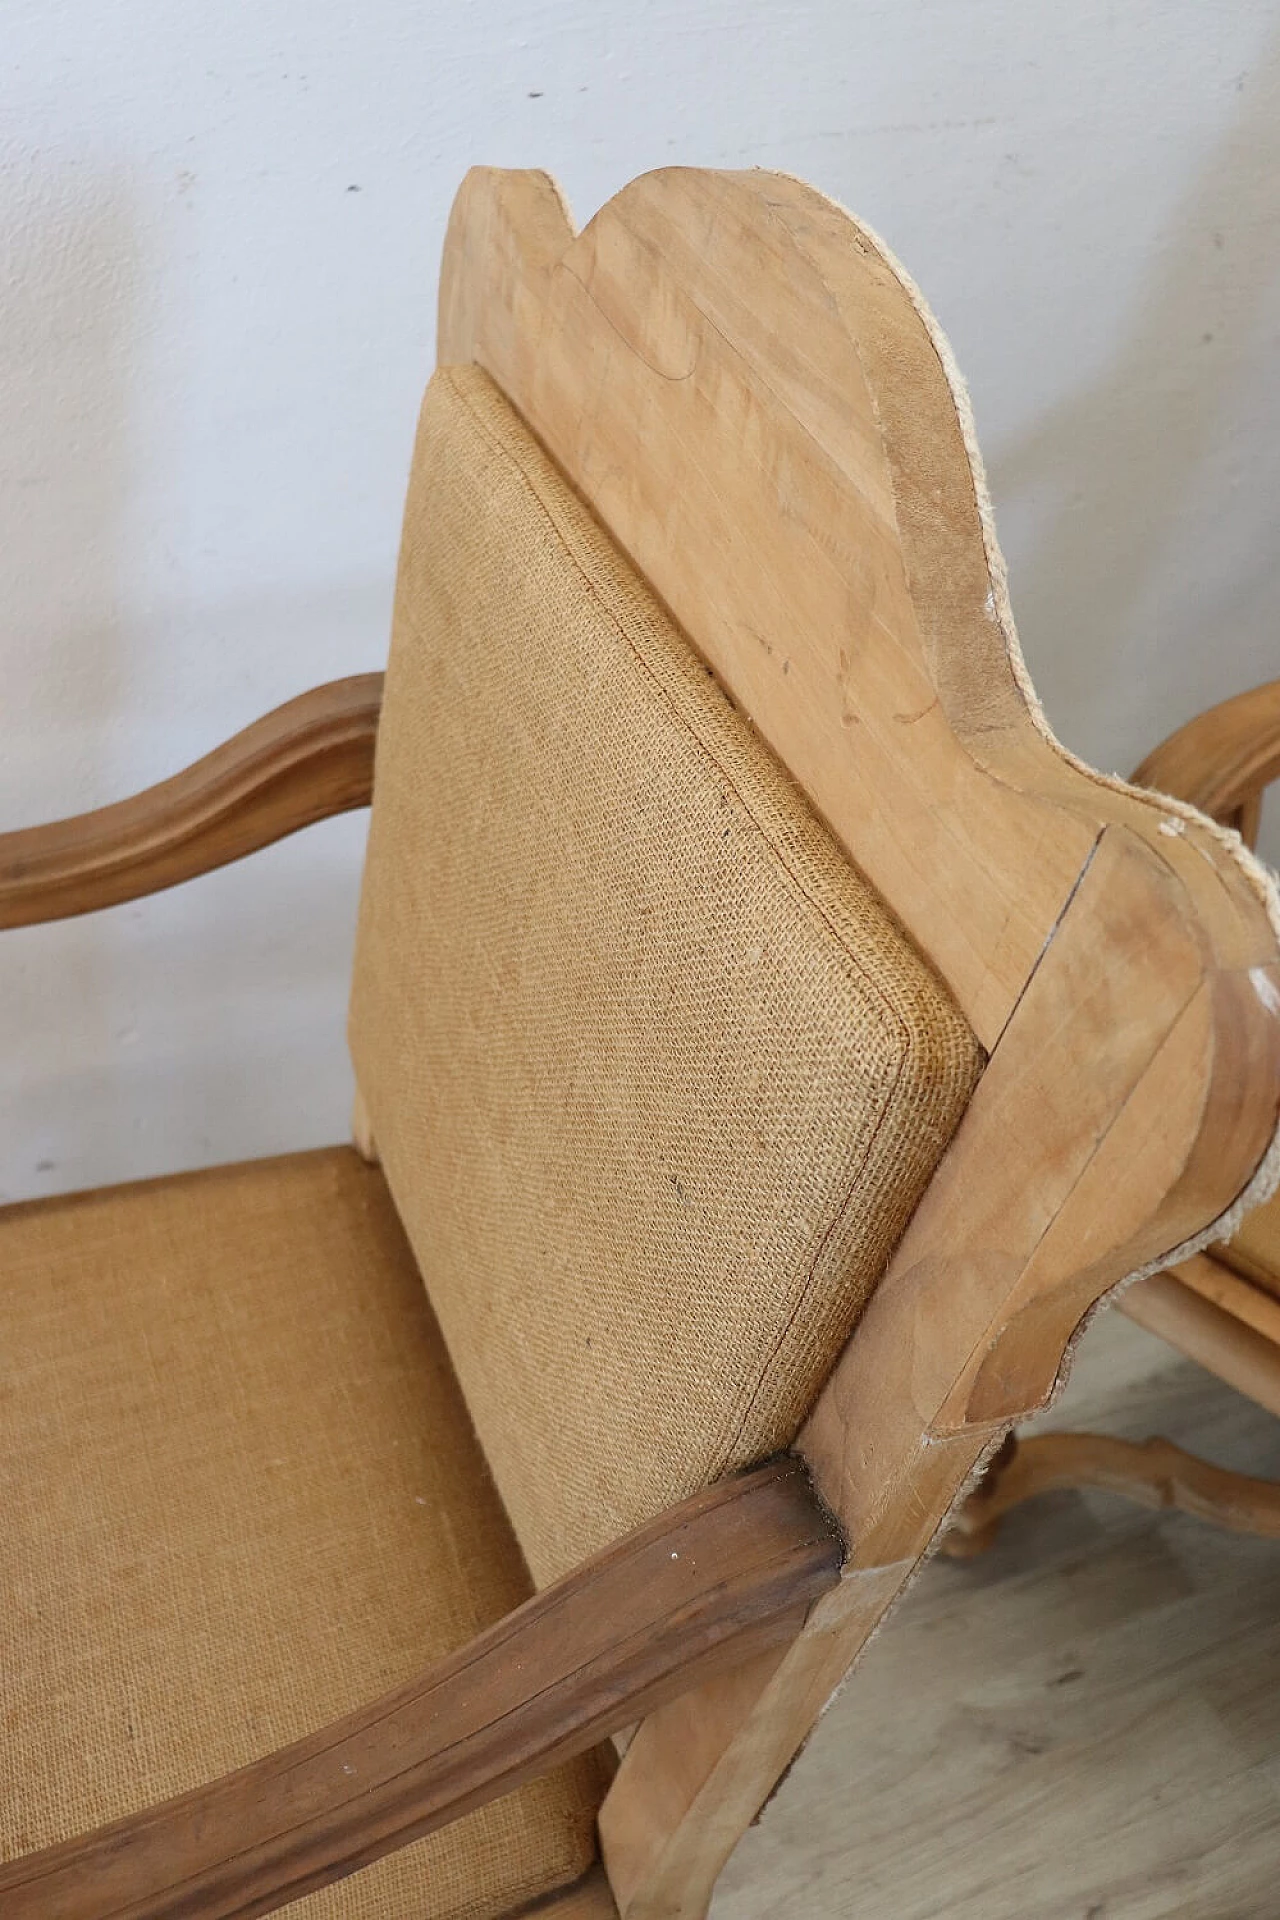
<point x="655" y="1079"/>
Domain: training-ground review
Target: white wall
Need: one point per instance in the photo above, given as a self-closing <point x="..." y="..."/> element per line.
<point x="219" y="227"/>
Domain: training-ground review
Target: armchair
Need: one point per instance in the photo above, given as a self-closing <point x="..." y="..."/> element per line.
<point x="1220" y="1307"/>
<point x="771" y="1047"/>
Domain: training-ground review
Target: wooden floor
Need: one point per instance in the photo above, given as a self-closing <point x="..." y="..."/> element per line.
<point x="1083" y="1725"/>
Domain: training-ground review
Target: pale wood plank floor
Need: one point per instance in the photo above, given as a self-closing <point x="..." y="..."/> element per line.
<point x="1083" y="1725"/>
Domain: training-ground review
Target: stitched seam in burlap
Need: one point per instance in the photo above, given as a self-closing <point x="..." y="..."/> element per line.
<point x="805" y="1296"/>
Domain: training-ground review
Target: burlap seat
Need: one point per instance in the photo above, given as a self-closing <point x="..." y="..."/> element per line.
<point x="241" y="1495"/>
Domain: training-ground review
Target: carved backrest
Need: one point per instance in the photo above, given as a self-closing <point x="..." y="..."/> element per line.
<point x="754" y="403"/>
<point x="656" y="1080"/>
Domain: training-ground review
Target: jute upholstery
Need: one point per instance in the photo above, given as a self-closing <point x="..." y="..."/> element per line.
<point x="241" y="1496"/>
<point x="655" y="1079"/>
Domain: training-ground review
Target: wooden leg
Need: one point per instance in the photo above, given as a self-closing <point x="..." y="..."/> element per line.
<point x="1153" y="1472"/>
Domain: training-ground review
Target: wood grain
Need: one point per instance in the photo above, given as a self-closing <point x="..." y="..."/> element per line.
<point x="806" y="504"/>
<point x="1083" y="1722"/>
<point x="688" y="318"/>
<point x="1154" y="1472"/>
<point x="700" y="1769"/>
<point x="306" y="760"/>
<point x="1069" y="1170"/>
<point x="718" y="1577"/>
<point x="742" y="385"/>
<point x="1218" y="1277"/>
<point x="1254" y="1252"/>
<point x="1236" y="1352"/>
<point x="748" y="393"/>
<point x="1222" y="760"/>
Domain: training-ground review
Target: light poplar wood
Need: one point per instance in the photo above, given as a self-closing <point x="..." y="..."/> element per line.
<point x="1247" y="1360"/>
<point x="1224" y="1310"/>
<point x="1221" y="1308"/>
<point x="1213" y="1280"/>
<point x="1223" y="759"/>
<point x="805" y="503"/>
<point x="1154" y="1472"/>
<point x="697" y="1773"/>
<point x="1254" y="1252"/>
<point x="310" y="758"/>
<point x="1085" y="1722"/>
<point x="740" y="384"/>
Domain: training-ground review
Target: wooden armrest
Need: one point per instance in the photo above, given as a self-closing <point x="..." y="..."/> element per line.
<point x="708" y="1584"/>
<point x="1223" y="759"/>
<point x="308" y="759"/>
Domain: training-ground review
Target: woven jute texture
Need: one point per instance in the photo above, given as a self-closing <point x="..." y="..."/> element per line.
<point x="241" y="1497"/>
<point x="655" y="1079"/>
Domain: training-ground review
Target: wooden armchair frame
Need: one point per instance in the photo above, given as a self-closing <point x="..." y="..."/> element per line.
<point x="753" y="400"/>
<point x="1222" y="762"/>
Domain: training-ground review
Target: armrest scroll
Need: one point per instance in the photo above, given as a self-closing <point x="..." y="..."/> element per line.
<point x="308" y="759"/>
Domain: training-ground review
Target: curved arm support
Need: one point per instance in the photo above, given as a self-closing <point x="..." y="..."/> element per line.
<point x="308" y="759"/>
<point x="1223" y="759"/>
<point x="710" y="1583"/>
